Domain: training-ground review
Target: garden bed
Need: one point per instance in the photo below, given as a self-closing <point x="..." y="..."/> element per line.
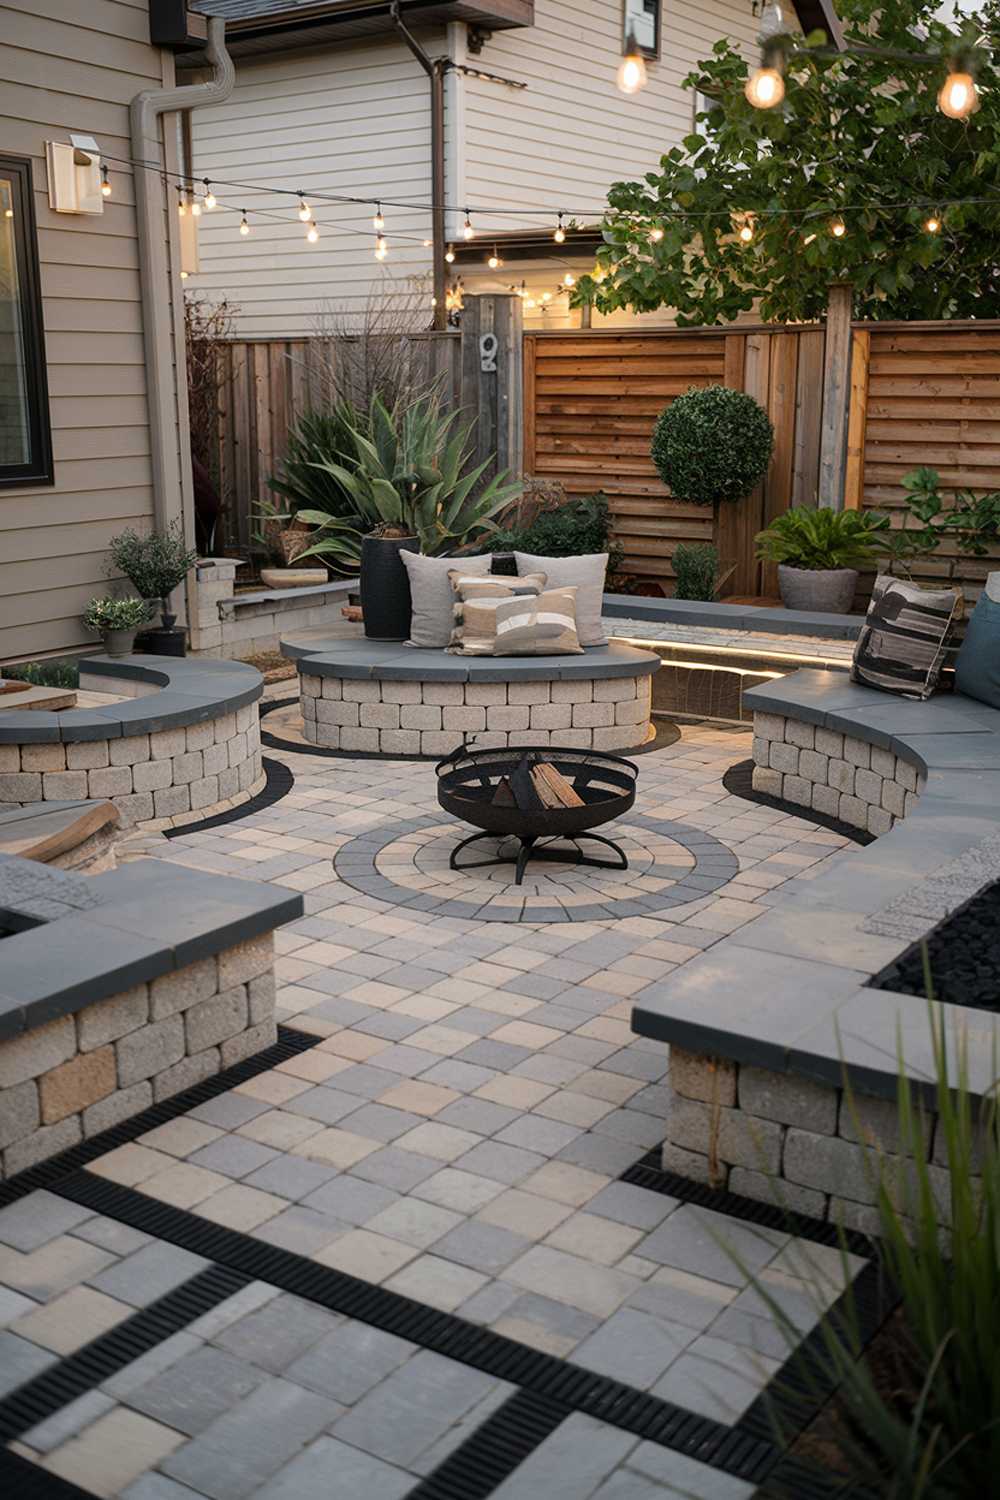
<point x="963" y="955"/>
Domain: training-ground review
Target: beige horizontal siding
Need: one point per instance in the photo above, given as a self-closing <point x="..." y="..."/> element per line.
<point x="76" y="68"/>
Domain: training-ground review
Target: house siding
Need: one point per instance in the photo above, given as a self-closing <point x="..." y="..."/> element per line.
<point x="76" y="69"/>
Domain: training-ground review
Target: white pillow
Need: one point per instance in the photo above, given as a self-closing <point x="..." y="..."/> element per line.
<point x="431" y="594"/>
<point x="585" y="574"/>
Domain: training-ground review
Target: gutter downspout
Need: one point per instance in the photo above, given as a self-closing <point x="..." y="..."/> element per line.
<point x="166" y="388"/>
<point x="435" y="70"/>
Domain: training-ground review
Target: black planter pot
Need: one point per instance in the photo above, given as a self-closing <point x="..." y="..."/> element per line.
<point x="160" y="642"/>
<point x="385" y="587"/>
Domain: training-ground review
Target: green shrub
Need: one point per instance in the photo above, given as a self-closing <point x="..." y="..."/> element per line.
<point x="115" y="614"/>
<point x="318" y="438"/>
<point x="712" y="444"/>
<point x="696" y="569"/>
<point x="823" y="538"/>
<point x="154" y="563"/>
<point x="571" y="530"/>
<point x="60" y="673"/>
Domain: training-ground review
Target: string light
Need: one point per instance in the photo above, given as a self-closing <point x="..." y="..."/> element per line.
<point x="746" y="227"/>
<point x="381" y="248"/>
<point x="808" y="239"/>
<point x="530" y="302"/>
<point x="105" y="181"/>
<point x="244" y="224"/>
<point x="959" y="96"/>
<point x="494" y="261"/>
<point x="195" y="208"/>
<point x="378" y="221"/>
<point x="449" y="254"/>
<point x="569" y="279"/>
<point x="312" y="233"/>
<point x="468" y="233"/>
<point x="656" y="234"/>
<point x="933" y="224"/>
<point x="765" y="88"/>
<point x="182" y="207"/>
<point x="546" y="296"/>
<point x="560" y="234"/>
<point x="838" y="228"/>
<point x="631" y="75"/>
<point x="305" y="212"/>
<point x="428" y="244"/>
<point x="210" y="199"/>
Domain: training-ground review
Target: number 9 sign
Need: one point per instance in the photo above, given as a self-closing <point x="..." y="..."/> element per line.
<point x="488" y="345"/>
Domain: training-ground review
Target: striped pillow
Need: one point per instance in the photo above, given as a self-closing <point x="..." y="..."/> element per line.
<point x="540" y="625"/>
<point x="901" y="647"/>
<point x="474" y="613"/>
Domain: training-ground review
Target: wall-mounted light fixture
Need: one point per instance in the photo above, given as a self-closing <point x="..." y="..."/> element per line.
<point x="75" y="173"/>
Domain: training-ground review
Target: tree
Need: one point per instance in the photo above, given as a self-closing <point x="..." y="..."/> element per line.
<point x="859" y="142"/>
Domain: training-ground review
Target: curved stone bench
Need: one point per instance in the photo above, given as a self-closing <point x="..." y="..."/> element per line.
<point x="184" y="744"/>
<point x="762" y="1026"/>
<point x="390" y="699"/>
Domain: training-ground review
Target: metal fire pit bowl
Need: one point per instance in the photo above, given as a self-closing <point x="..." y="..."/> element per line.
<point x="467" y="782"/>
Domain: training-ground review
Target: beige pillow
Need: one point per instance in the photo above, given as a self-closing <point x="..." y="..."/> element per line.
<point x="431" y="594"/>
<point x="587" y="575"/>
<point x="474" y="612"/>
<point x="543" y="625"/>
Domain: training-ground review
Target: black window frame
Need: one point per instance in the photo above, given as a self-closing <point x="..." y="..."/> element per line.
<point x="651" y="54"/>
<point x="39" y="469"/>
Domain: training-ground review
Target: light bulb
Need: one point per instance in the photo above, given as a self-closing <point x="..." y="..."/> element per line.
<point x="838" y="228"/>
<point x="312" y="234"/>
<point x="184" y="275"/>
<point x="305" y="212"/>
<point x="631" y="75"/>
<point x="468" y="233"/>
<point x="182" y="207"/>
<point x="428" y="244"/>
<point x="244" y="226"/>
<point x="933" y="224"/>
<point x="449" y="254"/>
<point x="569" y="279"/>
<point x="494" y="261"/>
<point x="378" y="221"/>
<point x="8" y="213"/>
<point x="195" y="208"/>
<point x="958" y="96"/>
<point x="746" y="233"/>
<point x="105" y="182"/>
<point x="529" y="302"/>
<point x="546" y="296"/>
<point x="381" y="248"/>
<point x="656" y="235"/>
<point x="765" y="88"/>
<point x="560" y="233"/>
<point x="210" y="199"/>
<point x="808" y="239"/>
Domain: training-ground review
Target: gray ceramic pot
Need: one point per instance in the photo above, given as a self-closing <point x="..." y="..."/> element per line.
<point x="118" y="642"/>
<point x="826" y="590"/>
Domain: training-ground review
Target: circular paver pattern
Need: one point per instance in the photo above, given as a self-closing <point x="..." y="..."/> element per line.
<point x="406" y="863"/>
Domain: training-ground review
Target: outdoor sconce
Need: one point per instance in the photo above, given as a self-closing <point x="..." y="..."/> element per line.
<point x="75" y="176"/>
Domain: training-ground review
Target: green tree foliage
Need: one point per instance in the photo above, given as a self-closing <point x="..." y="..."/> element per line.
<point x="856" y="138"/>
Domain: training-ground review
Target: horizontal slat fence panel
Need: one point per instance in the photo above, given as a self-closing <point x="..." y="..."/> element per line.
<point x="933" y="399"/>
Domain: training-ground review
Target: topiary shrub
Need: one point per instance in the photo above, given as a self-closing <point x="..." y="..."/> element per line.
<point x="712" y="444"/>
<point x="696" y="570"/>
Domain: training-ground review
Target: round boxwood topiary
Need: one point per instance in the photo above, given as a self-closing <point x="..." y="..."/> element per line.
<point x="712" y="444"/>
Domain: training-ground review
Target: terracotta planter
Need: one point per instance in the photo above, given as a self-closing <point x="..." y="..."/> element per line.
<point x="827" y="591"/>
<point x="385" y="587"/>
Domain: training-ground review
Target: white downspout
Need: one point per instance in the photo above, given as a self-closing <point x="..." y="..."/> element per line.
<point x="166" y="388"/>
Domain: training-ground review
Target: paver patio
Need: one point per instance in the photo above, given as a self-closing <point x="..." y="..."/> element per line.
<point x="455" y="1135"/>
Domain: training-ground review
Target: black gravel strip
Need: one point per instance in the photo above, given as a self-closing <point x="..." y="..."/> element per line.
<point x="738" y="781"/>
<point x="279" y="783"/>
<point x="290" y="1042"/>
<point x="964" y="957"/>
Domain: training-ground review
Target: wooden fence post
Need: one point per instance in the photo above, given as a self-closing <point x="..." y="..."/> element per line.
<point x="854" y="475"/>
<point x="492" y="379"/>
<point x="836" y="396"/>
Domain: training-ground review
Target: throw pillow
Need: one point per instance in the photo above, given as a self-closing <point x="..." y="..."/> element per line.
<point x="431" y="595"/>
<point x="977" y="669"/>
<point x="474" y="614"/>
<point x="586" y="575"/>
<point x="902" y="643"/>
<point x="525" y="625"/>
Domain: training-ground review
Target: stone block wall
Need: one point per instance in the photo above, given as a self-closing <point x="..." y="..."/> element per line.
<point x="434" y="718"/>
<point x="833" y="773"/>
<point x="169" y="777"/>
<point x="225" y="624"/>
<point x="782" y="1139"/>
<point x="82" y="1073"/>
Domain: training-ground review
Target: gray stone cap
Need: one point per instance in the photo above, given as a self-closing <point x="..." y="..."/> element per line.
<point x="95" y="936"/>
<point x="315" y="592"/>
<point x="722" y="616"/>
<point x="788" y="991"/>
<point x="191" y="690"/>
<point x="392" y="661"/>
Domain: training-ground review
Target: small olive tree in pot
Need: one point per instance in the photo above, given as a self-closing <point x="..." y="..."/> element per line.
<point x="712" y="446"/>
<point x="155" y="564"/>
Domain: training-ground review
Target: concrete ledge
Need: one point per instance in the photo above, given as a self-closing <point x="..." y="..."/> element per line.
<point x="392" y="661"/>
<point x="723" y="616"/>
<point x="277" y="601"/>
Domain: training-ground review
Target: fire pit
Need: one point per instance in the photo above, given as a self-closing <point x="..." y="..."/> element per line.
<point x="546" y="799"/>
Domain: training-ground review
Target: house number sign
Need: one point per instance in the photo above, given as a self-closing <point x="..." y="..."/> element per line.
<point x="488" y="345"/>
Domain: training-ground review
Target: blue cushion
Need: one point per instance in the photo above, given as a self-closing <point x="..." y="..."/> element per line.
<point x="977" y="669"/>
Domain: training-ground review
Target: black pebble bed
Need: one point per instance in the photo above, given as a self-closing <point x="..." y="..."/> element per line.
<point x="964" y="954"/>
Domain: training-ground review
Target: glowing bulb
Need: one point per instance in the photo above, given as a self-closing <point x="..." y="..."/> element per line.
<point x="494" y="261"/>
<point x="656" y="235"/>
<point x="182" y="207"/>
<point x="244" y="225"/>
<point x="378" y="221"/>
<point x="184" y="275"/>
<point x="195" y="208"/>
<point x="560" y="234"/>
<point x="546" y="296"/>
<point x="305" y="212"/>
<point x="530" y="302"/>
<point x="381" y="248"/>
<point x="569" y="279"/>
<point x="449" y="254"/>
<point x="105" y="181"/>
<point x="210" y="199"/>
<point x="746" y="233"/>
<point x="8" y="213"/>
<point x="468" y="233"/>
<point x="765" y="88"/>
<point x="838" y="228"/>
<point x="631" y="75"/>
<point x="808" y="239"/>
<point x="312" y="233"/>
<point x="428" y="244"/>
<point x="933" y="224"/>
<point x="958" y="96"/>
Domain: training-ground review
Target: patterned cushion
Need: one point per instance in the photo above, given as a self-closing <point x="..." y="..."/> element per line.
<point x="902" y="644"/>
<point x="527" y="625"/>
<point x="477" y="599"/>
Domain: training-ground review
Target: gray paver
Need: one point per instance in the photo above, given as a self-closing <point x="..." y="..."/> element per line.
<point x="413" y="1408"/>
<point x="348" y="1198"/>
<point x="301" y="1230"/>
<point x="700" y="1240"/>
<point x="37" y="1218"/>
<point x="509" y="1164"/>
<point x="627" y="1204"/>
<point x="233" y="1156"/>
<point x="345" y="1364"/>
<point x="151" y="1364"/>
<point x="196" y="1389"/>
<point x="683" y="1476"/>
<point x="277" y="1333"/>
<point x="148" y="1274"/>
<point x="633" y="1347"/>
<point x="291" y="1176"/>
<point x="570" y="1464"/>
<point x="68" y="1421"/>
<point x="395" y="1168"/>
<point x="331" y="1470"/>
<point x="120" y="1239"/>
<point x="484" y="1247"/>
<point x="20" y="1361"/>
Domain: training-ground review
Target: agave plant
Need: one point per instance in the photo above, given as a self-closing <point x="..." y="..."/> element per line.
<point x="406" y="479"/>
<point x="317" y="438"/>
<point x="822" y="538"/>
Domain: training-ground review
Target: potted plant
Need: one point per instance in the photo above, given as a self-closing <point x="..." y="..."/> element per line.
<point x="408" y="492"/>
<point x="155" y="564"/>
<point x="285" y="539"/>
<point x="116" y="621"/>
<point x="819" y="554"/>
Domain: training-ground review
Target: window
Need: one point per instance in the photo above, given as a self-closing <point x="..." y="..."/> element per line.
<point x="642" y="20"/>
<point x="25" y="442"/>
